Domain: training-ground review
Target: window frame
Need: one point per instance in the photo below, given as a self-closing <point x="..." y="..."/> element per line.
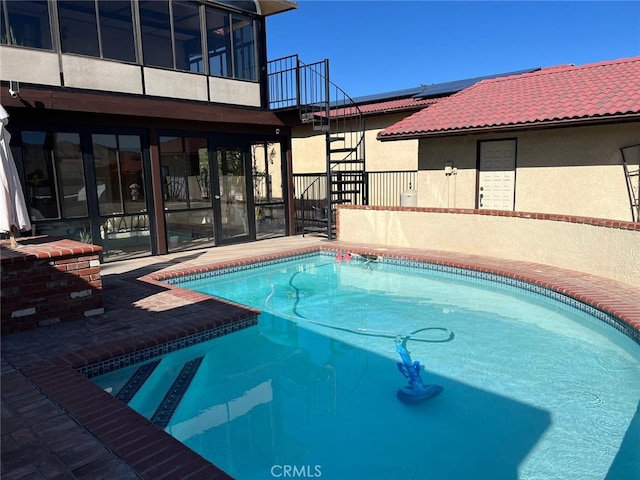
<point x="232" y="68"/>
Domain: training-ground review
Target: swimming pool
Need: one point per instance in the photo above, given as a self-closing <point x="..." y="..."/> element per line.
<point x="533" y="388"/>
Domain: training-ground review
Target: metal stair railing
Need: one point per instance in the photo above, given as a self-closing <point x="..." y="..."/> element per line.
<point x="325" y="107"/>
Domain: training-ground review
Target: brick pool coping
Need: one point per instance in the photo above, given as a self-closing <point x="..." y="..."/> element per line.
<point x="153" y="453"/>
<point x="616" y="298"/>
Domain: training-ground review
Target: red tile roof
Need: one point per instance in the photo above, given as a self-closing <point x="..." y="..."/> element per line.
<point x="395" y="105"/>
<point x="561" y="94"/>
<point x="398" y="105"/>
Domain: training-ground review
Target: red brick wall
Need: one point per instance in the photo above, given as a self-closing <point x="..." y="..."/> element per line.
<point x="47" y="283"/>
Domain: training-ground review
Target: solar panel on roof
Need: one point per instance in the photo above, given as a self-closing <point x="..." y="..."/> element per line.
<point x="436" y="89"/>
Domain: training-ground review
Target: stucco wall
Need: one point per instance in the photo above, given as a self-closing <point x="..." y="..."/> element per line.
<point x="388" y="156"/>
<point x="44" y="68"/>
<point x="308" y="147"/>
<point x="581" y="244"/>
<point x="234" y="92"/>
<point x="29" y="66"/>
<point x="308" y="150"/>
<point x="96" y="74"/>
<point x="167" y="83"/>
<point x="571" y="171"/>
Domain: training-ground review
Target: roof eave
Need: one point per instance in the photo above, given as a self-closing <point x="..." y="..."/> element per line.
<point x="272" y="7"/>
<point x="572" y="122"/>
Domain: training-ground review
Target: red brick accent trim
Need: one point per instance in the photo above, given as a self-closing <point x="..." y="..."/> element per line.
<point x="622" y="303"/>
<point x="149" y="450"/>
<point x="556" y="217"/>
<point x="42" y="248"/>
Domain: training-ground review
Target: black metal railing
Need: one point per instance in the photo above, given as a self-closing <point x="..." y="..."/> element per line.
<point x="384" y="189"/>
<point x="284" y="83"/>
<point x="328" y="110"/>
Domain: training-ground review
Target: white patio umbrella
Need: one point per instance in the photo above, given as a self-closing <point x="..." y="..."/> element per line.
<point x="14" y="215"/>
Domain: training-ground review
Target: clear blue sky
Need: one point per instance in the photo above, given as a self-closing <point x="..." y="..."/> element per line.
<point x="381" y="46"/>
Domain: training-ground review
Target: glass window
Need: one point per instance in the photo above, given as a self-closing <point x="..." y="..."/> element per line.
<point x="55" y="175"/>
<point x="116" y="30"/>
<point x="246" y="5"/>
<point x="78" y="27"/>
<point x="233" y="192"/>
<point x="109" y="188"/>
<point x="218" y="42"/>
<point x="270" y="213"/>
<point x="185" y="173"/>
<point x="28" y="24"/>
<point x="70" y="174"/>
<point x="187" y="202"/>
<point x="124" y="226"/>
<point x="118" y="164"/>
<point x="267" y="172"/>
<point x="188" y="40"/>
<point x="156" y="33"/>
<point x="244" y="48"/>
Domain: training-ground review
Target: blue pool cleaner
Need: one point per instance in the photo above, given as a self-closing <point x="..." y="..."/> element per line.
<point x="416" y="391"/>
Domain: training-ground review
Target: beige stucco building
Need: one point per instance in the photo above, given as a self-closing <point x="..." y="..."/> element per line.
<point x="572" y="171"/>
<point x="562" y="140"/>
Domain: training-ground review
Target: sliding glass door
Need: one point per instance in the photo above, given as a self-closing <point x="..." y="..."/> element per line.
<point x="231" y="198"/>
<point x="185" y="183"/>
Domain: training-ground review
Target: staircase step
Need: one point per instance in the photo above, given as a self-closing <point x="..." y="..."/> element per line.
<point x="359" y="173"/>
<point x="346" y="161"/>
<point x="343" y="150"/>
<point x="336" y="139"/>
<point x="135" y="383"/>
<point x="344" y="192"/>
<point x="172" y="398"/>
<point x="352" y="181"/>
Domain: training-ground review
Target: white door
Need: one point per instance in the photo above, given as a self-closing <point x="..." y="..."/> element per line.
<point x="497" y="174"/>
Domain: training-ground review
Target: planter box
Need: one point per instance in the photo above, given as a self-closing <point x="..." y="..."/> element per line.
<point x="47" y="282"/>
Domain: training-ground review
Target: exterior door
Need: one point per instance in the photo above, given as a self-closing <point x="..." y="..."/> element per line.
<point x="496" y="185"/>
<point x="232" y="197"/>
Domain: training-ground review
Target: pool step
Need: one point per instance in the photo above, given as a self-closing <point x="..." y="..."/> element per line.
<point x="174" y="395"/>
<point x="137" y="380"/>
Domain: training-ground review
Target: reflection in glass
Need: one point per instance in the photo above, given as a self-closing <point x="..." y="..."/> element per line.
<point x="188" y="41"/>
<point x="70" y="174"/>
<point x="187" y="200"/>
<point x="218" y="42"/>
<point x="55" y="175"/>
<point x="29" y="24"/>
<point x="185" y="174"/>
<point x="244" y="48"/>
<point x="116" y="30"/>
<point x="125" y="236"/>
<point x="118" y="164"/>
<point x="78" y="32"/>
<point x="156" y="33"/>
<point x="233" y="192"/>
<point x="105" y="158"/>
<point x="124" y="223"/>
<point x="270" y="215"/>
<point x="189" y="229"/>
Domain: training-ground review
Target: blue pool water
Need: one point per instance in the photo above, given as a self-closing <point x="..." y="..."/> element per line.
<point x="533" y="388"/>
